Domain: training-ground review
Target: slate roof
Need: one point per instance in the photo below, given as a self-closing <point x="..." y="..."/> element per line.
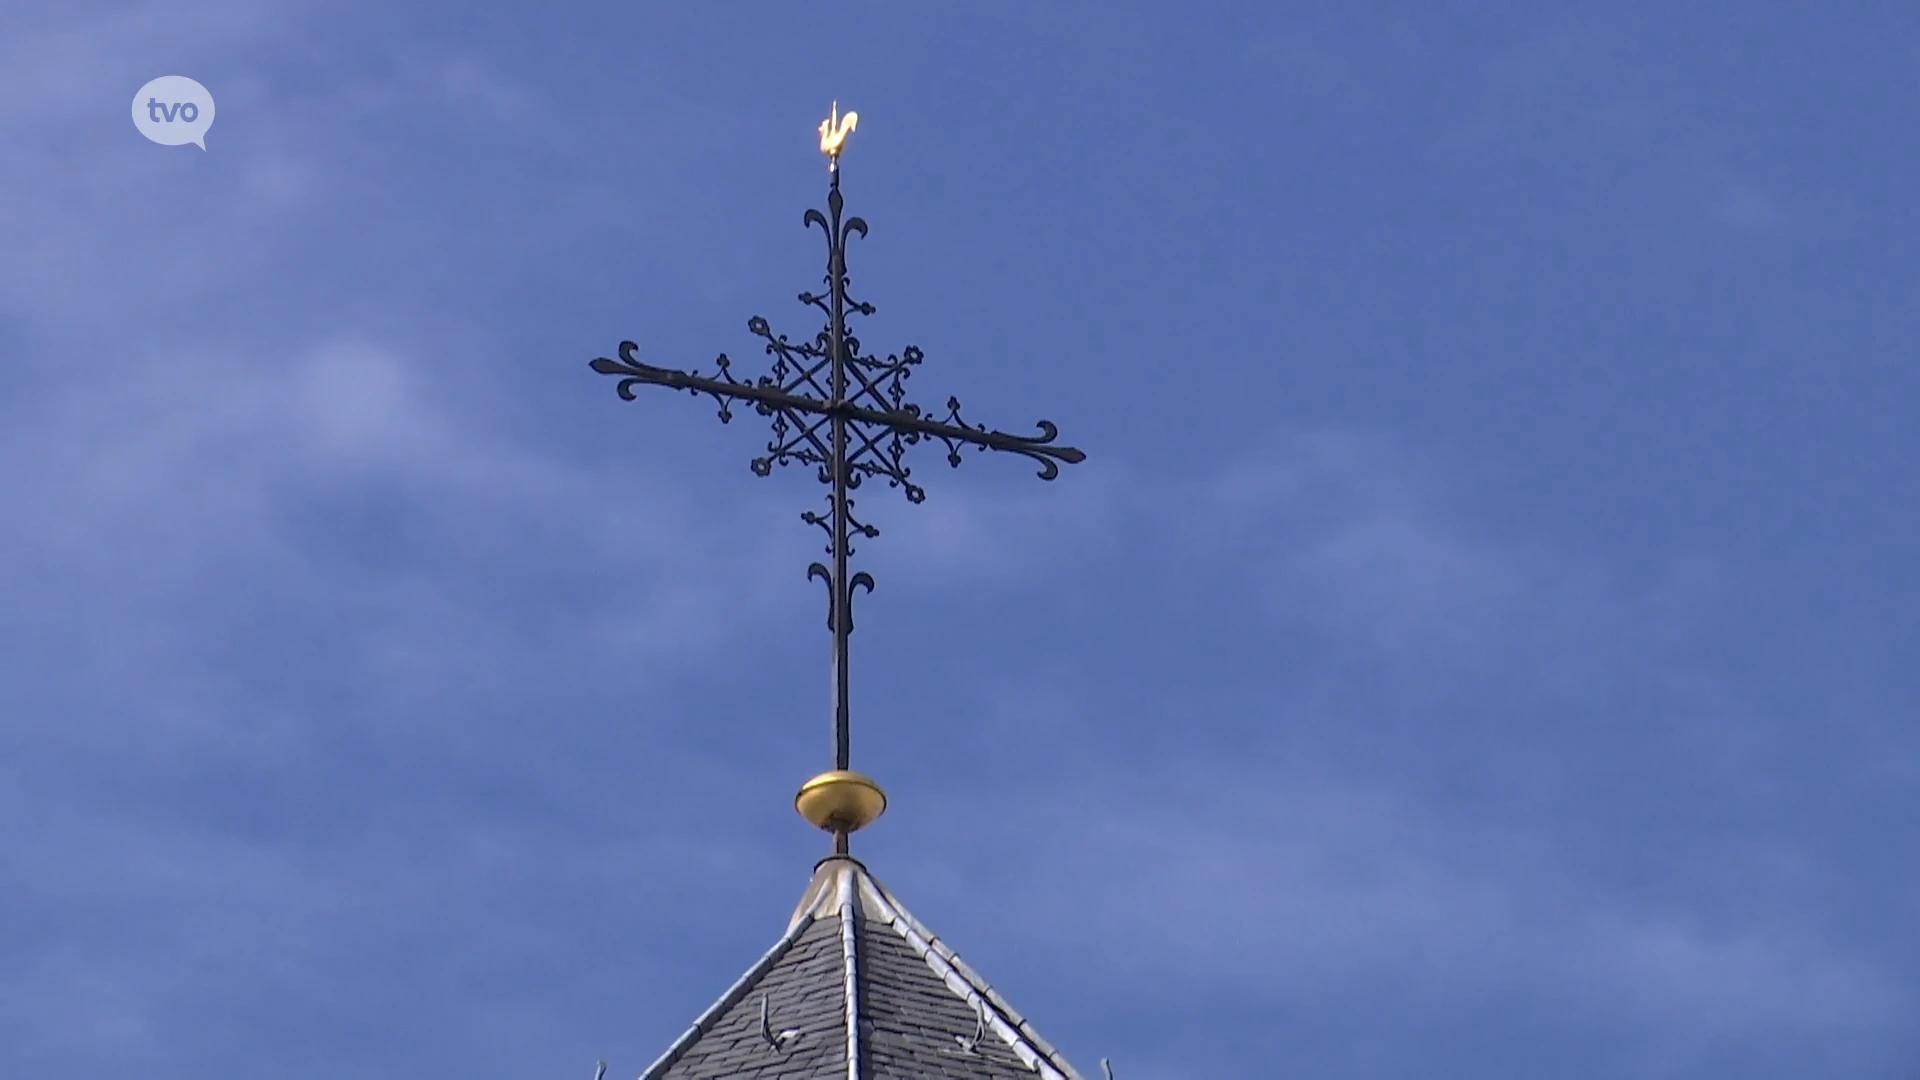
<point x="858" y="989"/>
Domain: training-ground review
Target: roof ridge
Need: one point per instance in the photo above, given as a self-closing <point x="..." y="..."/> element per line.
<point x="1006" y="1021"/>
<point x="850" y="958"/>
<point x="732" y="997"/>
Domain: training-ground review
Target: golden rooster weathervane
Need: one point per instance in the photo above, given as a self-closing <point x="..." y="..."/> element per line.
<point x="833" y="134"/>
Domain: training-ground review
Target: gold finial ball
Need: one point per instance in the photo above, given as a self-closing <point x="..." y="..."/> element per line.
<point x="840" y="801"/>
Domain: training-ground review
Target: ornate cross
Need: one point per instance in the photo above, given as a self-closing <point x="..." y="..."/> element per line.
<point x="843" y="412"/>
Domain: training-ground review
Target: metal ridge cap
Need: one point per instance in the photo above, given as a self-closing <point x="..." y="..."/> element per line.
<point x="850" y="961"/>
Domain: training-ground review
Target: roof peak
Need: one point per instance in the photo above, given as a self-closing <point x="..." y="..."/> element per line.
<point x="857" y="988"/>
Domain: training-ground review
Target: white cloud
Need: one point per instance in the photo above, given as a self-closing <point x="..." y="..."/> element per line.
<point x="1290" y="866"/>
<point x="1299" y="881"/>
<point x="176" y="514"/>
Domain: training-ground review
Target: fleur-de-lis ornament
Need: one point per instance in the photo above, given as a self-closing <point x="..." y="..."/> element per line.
<point x="833" y="134"/>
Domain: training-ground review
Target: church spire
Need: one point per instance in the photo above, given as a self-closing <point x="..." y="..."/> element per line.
<point x="857" y="988"/>
<point x="845" y="413"/>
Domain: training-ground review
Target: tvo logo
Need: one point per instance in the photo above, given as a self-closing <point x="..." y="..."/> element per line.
<point x="174" y="110"/>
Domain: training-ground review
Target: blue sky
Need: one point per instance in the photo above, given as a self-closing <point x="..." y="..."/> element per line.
<point x="1471" y="647"/>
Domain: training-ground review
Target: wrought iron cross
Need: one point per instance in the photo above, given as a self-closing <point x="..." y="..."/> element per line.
<point x="839" y="410"/>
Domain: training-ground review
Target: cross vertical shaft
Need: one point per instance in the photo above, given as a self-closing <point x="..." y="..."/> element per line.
<point x="842" y="589"/>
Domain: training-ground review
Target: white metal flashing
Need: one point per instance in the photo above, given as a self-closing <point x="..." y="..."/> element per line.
<point x="850" y="957"/>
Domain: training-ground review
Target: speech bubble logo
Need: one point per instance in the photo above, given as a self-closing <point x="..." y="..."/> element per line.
<point x="173" y="110"/>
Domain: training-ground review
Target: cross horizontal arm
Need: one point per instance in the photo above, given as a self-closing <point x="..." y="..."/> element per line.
<point x="724" y="389"/>
<point x="953" y="431"/>
<point x="909" y="421"/>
